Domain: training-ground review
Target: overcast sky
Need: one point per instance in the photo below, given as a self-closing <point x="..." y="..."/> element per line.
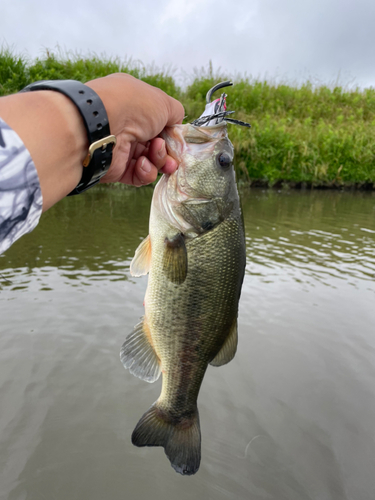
<point x="293" y="40"/>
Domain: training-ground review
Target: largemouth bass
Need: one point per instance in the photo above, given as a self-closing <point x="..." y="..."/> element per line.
<point x="195" y="257"/>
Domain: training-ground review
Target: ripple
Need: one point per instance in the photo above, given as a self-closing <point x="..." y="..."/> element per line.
<point x="317" y="254"/>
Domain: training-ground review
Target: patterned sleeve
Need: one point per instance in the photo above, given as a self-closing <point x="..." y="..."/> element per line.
<point x="20" y="194"/>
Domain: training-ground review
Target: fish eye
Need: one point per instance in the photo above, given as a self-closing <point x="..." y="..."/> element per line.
<point x="224" y="159"/>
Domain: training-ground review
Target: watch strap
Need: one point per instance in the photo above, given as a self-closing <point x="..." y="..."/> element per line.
<point x="94" y="115"/>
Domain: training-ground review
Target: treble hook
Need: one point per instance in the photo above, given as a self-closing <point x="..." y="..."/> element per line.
<point x="218" y="86"/>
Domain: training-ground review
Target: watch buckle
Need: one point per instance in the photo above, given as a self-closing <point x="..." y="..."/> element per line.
<point x="102" y="143"/>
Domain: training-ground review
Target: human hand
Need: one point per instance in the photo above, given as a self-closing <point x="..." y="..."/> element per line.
<point x="137" y="113"/>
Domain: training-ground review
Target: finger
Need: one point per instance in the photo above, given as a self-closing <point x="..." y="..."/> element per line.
<point x="140" y="149"/>
<point x="157" y="153"/>
<point x="144" y="172"/>
<point x="170" y="166"/>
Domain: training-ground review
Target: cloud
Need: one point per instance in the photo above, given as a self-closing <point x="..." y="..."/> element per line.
<point x="290" y="39"/>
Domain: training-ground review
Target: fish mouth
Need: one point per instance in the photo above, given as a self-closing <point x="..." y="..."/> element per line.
<point x="197" y="201"/>
<point x="184" y="197"/>
<point x="174" y="141"/>
<point x="188" y="138"/>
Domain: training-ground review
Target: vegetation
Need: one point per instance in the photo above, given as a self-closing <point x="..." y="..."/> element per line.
<point x="301" y="135"/>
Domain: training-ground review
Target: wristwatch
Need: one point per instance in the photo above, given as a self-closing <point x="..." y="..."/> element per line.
<point x="94" y="115"/>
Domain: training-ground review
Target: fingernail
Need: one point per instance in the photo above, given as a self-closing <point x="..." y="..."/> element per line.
<point x="162" y="151"/>
<point x="146" y="166"/>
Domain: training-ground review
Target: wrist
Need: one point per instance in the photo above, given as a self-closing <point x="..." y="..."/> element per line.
<point x="95" y="119"/>
<point x="116" y="94"/>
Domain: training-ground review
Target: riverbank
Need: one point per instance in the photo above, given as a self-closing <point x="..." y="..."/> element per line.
<point x="301" y="136"/>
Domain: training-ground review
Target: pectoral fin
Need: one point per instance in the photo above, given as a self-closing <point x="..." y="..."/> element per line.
<point x="141" y="262"/>
<point x="175" y="263"/>
<point x="229" y="348"/>
<point x="138" y="355"/>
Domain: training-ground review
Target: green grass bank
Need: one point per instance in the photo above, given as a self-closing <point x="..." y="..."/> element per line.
<point x="305" y="135"/>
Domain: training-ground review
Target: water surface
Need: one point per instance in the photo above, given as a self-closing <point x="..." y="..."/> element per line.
<point x="292" y="417"/>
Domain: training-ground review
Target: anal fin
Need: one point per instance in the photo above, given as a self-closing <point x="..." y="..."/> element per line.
<point x="138" y="355"/>
<point x="228" y="349"/>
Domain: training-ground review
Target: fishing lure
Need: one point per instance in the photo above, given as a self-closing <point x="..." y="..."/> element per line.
<point x="216" y="111"/>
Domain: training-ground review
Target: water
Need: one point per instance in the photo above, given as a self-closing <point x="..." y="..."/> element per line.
<point x="292" y="417"/>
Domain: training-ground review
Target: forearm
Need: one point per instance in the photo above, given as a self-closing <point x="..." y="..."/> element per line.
<point x="55" y="136"/>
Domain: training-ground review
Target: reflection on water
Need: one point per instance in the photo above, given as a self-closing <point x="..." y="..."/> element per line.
<point x="291" y="417"/>
<point x="315" y="236"/>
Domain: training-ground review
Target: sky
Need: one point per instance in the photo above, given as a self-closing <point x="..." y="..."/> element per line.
<point x="324" y="41"/>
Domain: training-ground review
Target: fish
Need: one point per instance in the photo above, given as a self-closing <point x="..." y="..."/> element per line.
<point x="195" y="256"/>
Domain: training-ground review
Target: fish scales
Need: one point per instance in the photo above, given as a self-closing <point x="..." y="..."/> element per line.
<point x="205" y="307"/>
<point x="195" y="257"/>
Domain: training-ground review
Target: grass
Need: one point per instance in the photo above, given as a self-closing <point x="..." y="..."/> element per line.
<point x="301" y="135"/>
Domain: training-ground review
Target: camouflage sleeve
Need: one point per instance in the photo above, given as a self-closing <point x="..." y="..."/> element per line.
<point x="20" y="194"/>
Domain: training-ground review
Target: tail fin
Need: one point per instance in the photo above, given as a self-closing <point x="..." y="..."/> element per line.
<point x="181" y="441"/>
